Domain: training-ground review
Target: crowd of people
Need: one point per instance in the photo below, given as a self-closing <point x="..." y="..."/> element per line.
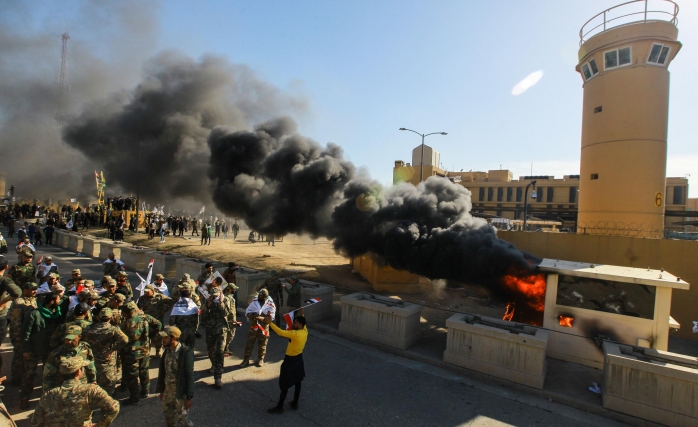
<point x="86" y="331"/>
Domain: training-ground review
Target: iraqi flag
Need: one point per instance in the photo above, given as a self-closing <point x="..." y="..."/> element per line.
<point x="40" y="261"/>
<point x="288" y="317"/>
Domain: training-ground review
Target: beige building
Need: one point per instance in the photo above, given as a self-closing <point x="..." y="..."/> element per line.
<point x="496" y="193"/>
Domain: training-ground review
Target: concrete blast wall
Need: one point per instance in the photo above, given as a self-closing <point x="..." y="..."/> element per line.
<point x="675" y="256"/>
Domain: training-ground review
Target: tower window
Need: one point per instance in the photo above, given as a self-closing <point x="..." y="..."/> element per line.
<point x="490" y="192"/>
<point x="658" y="54"/>
<point x="617" y="58"/>
<point x="550" y="194"/>
<point x="509" y="194"/>
<point x="482" y="194"/>
<point x="590" y="70"/>
<point x="519" y="194"/>
<point x="598" y="109"/>
<point x="594" y="176"/>
<point x="500" y="194"/>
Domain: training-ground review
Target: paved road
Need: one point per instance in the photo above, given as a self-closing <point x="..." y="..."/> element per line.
<point x="348" y="384"/>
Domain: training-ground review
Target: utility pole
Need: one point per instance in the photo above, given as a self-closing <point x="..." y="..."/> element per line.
<point x="63" y="86"/>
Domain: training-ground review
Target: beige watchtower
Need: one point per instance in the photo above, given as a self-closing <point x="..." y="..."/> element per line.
<point x="623" y="60"/>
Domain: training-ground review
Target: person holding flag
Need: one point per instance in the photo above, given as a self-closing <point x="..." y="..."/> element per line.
<point x="292" y="368"/>
<point x="258" y="312"/>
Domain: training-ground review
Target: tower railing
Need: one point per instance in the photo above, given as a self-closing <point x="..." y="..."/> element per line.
<point x="606" y="20"/>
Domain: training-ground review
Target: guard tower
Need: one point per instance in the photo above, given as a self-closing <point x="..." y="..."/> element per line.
<point x="624" y="55"/>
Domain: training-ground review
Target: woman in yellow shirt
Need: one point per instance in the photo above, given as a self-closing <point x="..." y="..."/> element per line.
<point x="292" y="369"/>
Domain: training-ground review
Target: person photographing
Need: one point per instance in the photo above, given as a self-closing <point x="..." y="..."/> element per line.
<point x="292" y="368"/>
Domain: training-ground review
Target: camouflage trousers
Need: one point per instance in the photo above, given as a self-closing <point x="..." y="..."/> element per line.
<point x="106" y="376"/>
<point x="173" y="408"/>
<point x="133" y="370"/>
<point x="229" y="338"/>
<point x="215" y="344"/>
<point x="30" y="366"/>
<point x="17" y="363"/>
<point x="256" y="335"/>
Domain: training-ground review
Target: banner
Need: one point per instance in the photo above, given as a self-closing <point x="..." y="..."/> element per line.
<point x="184" y="307"/>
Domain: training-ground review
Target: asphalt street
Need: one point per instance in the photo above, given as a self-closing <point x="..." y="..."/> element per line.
<point x="347" y="384"/>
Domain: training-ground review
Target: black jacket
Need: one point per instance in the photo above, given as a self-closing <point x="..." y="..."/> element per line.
<point x="185" y="376"/>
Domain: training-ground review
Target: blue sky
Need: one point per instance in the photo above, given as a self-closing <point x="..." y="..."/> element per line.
<point x="371" y="67"/>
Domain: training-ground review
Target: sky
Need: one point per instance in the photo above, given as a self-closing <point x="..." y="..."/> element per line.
<point x="368" y="68"/>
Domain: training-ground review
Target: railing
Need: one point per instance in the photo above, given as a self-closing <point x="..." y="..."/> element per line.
<point x="587" y="31"/>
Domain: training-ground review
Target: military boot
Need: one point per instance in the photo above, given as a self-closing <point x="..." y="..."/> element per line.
<point x="245" y="362"/>
<point x="259" y="363"/>
<point x="144" y="391"/>
<point x="218" y="382"/>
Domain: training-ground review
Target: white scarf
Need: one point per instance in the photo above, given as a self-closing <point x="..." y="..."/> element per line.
<point x="184" y="307"/>
<point x="267" y="308"/>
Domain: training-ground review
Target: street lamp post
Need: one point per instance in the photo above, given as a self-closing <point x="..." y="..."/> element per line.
<point x="421" y="166"/>
<point x="533" y="195"/>
<point x="138" y="186"/>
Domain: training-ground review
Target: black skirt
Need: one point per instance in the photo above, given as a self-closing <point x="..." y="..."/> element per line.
<point x="292" y="371"/>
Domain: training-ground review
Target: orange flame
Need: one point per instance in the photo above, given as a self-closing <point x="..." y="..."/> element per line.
<point x="509" y="312"/>
<point x="566" y="321"/>
<point x="532" y="287"/>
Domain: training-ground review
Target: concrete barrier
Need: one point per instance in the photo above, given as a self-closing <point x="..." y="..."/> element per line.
<point x="315" y="312"/>
<point x="508" y="350"/>
<point x="75" y="242"/>
<point x="61" y="239"/>
<point x="166" y="264"/>
<point x="195" y="267"/>
<point x="136" y="257"/>
<point x="108" y="246"/>
<point x="650" y="384"/>
<point x="90" y="246"/>
<point x="384" y="320"/>
<point x="247" y="280"/>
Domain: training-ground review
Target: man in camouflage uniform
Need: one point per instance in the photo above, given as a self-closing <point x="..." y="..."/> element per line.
<point x="72" y="403"/>
<point x="122" y="282"/>
<point x="87" y="297"/>
<point x="37" y="328"/>
<point x="74" y="275"/>
<point x="19" y="309"/>
<point x="273" y="285"/>
<point x="25" y="271"/>
<point x="116" y="303"/>
<point x="229" y="291"/>
<point x="79" y="319"/>
<point x="134" y="359"/>
<point x="8" y="292"/>
<point x="176" y="379"/>
<point x="72" y="347"/>
<point x="214" y="316"/>
<point x="111" y="265"/>
<point x="184" y="283"/>
<point x="105" y="340"/>
<point x="258" y="331"/>
<point x="187" y="324"/>
<point x="156" y="305"/>
<point x="109" y="286"/>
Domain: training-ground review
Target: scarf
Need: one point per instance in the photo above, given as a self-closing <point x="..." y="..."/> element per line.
<point x="48" y="314"/>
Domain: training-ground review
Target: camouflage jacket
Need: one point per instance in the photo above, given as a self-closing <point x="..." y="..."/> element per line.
<point x="215" y="315"/>
<point x="19" y="308"/>
<point x="105" y="340"/>
<point x="154" y="325"/>
<point x="156" y="306"/>
<point x="128" y="287"/>
<point x="58" y="336"/>
<point x="231" y="314"/>
<point x="22" y="274"/>
<point x="203" y="277"/>
<point x="52" y="378"/>
<point x="182" y="285"/>
<point x="185" y="323"/>
<point x="275" y="289"/>
<point x="137" y="330"/>
<point x="71" y="315"/>
<point x="71" y="405"/>
<point x="117" y="318"/>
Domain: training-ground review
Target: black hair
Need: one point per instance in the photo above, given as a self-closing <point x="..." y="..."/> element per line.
<point x="300" y="319"/>
<point x="208" y="264"/>
<point x="185" y="293"/>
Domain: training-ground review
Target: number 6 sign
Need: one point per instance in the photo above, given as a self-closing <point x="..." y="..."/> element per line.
<point x="658" y="199"/>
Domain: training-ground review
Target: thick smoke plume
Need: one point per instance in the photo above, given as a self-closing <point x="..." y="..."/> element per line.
<point x="281" y="182"/>
<point x="168" y="118"/>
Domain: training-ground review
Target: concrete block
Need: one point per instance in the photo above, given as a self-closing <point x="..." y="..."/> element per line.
<point x="247" y="280"/>
<point x="488" y="345"/>
<point x="61" y="239"/>
<point x="108" y="246"/>
<point x="315" y="312"/>
<point x="384" y="320"/>
<point x="195" y="267"/>
<point x="651" y="384"/>
<point x="166" y="264"/>
<point x="384" y="278"/>
<point x="136" y="257"/>
<point x="75" y="242"/>
<point x="90" y="246"/>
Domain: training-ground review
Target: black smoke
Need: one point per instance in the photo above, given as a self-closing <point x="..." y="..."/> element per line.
<point x="281" y="182"/>
<point x="168" y="118"/>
